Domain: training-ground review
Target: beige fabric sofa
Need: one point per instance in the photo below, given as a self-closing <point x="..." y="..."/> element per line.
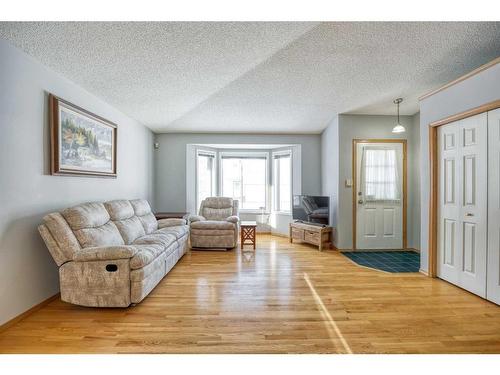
<point x="216" y="226"/>
<point x="112" y="254"/>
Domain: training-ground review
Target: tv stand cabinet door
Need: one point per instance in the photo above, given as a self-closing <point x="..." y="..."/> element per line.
<point x="296" y="233"/>
<point x="312" y="237"/>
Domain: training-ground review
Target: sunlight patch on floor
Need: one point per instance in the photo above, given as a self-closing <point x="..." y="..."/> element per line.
<point x="331" y="326"/>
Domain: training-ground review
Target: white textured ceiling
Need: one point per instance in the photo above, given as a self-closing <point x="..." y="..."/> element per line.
<point x="291" y="77"/>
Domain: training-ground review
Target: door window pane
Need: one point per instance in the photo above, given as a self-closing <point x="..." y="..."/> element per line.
<point x="380" y="175"/>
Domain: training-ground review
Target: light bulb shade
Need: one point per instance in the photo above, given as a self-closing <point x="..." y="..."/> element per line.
<point x="398" y="129"/>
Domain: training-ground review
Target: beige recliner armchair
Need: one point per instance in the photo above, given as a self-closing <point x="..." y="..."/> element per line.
<point x="216" y="226"/>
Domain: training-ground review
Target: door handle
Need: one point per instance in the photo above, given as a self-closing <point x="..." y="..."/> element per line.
<point x="469" y="214"/>
<point x="360" y="201"/>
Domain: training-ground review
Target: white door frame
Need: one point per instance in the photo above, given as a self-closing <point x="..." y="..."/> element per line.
<point x="355" y="184"/>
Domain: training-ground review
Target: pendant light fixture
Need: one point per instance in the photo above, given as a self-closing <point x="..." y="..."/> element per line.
<point x="398" y="128"/>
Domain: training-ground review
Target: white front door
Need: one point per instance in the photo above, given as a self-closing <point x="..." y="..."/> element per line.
<point x="493" y="268"/>
<point x="379" y="203"/>
<point x="462" y="224"/>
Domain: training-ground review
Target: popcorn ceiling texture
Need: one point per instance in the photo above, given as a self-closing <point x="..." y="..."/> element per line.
<point x="257" y="76"/>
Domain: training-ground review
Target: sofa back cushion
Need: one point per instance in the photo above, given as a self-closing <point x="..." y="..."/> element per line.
<point x="123" y="215"/>
<point x="142" y="210"/>
<point x="91" y="224"/>
<point x="217" y="208"/>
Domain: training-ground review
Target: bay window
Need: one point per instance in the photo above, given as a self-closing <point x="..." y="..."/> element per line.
<point x="282" y="181"/>
<point x="260" y="179"/>
<point x="244" y="177"/>
<point x="205" y="175"/>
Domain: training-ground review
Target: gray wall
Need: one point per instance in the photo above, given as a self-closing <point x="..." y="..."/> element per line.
<point x="479" y="89"/>
<point x="28" y="274"/>
<point x="330" y="169"/>
<point x="170" y="162"/>
<point x="358" y="127"/>
<point x="414" y="183"/>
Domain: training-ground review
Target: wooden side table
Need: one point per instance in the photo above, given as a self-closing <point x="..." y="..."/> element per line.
<point x="247" y="233"/>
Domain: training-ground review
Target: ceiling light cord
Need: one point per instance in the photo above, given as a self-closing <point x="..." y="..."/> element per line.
<point x="398" y="112"/>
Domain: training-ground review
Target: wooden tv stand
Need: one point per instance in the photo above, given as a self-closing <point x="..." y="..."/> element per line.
<point x="313" y="234"/>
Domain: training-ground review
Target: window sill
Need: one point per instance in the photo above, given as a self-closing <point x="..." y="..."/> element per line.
<point x="282" y="213"/>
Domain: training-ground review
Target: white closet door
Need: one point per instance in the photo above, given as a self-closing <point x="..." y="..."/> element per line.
<point x="463" y="203"/>
<point x="448" y="267"/>
<point x="493" y="287"/>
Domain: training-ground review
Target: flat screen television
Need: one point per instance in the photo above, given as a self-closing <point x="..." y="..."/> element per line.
<point x="311" y="209"/>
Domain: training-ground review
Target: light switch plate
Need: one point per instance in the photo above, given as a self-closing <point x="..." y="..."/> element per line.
<point x="348" y="183"/>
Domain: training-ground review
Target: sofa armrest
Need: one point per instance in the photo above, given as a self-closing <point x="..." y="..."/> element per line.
<point x="194" y="218"/>
<point x="171" y="222"/>
<point x="233" y="219"/>
<point x="104" y="253"/>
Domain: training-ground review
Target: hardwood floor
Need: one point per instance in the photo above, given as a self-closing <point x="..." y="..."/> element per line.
<point x="285" y="298"/>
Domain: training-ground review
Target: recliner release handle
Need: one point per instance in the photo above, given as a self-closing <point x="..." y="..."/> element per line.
<point x="111" y="267"/>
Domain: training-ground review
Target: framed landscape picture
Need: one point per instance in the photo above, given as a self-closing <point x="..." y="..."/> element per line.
<point x="82" y="143"/>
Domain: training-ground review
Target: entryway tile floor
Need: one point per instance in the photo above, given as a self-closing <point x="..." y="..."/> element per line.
<point x="389" y="261"/>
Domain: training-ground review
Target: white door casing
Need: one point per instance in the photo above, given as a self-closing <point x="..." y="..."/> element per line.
<point x="493" y="268"/>
<point x="379" y="224"/>
<point x="462" y="209"/>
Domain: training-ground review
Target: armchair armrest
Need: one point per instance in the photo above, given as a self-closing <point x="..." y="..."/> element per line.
<point x="194" y="218"/>
<point x="172" y="222"/>
<point x="104" y="253"/>
<point x="233" y="219"/>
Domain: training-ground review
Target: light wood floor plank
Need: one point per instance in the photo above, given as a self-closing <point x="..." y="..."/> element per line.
<point x="284" y="298"/>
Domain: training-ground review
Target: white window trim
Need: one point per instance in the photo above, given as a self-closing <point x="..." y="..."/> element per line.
<point x="246" y="154"/>
<point x="200" y="150"/>
<point x="275" y="187"/>
<point x="191" y="174"/>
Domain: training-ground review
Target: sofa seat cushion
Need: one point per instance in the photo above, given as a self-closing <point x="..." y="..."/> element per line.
<point x="163" y="239"/>
<point x="213" y="224"/>
<point x="171" y="222"/>
<point x="148" y="253"/>
<point x="178" y="231"/>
